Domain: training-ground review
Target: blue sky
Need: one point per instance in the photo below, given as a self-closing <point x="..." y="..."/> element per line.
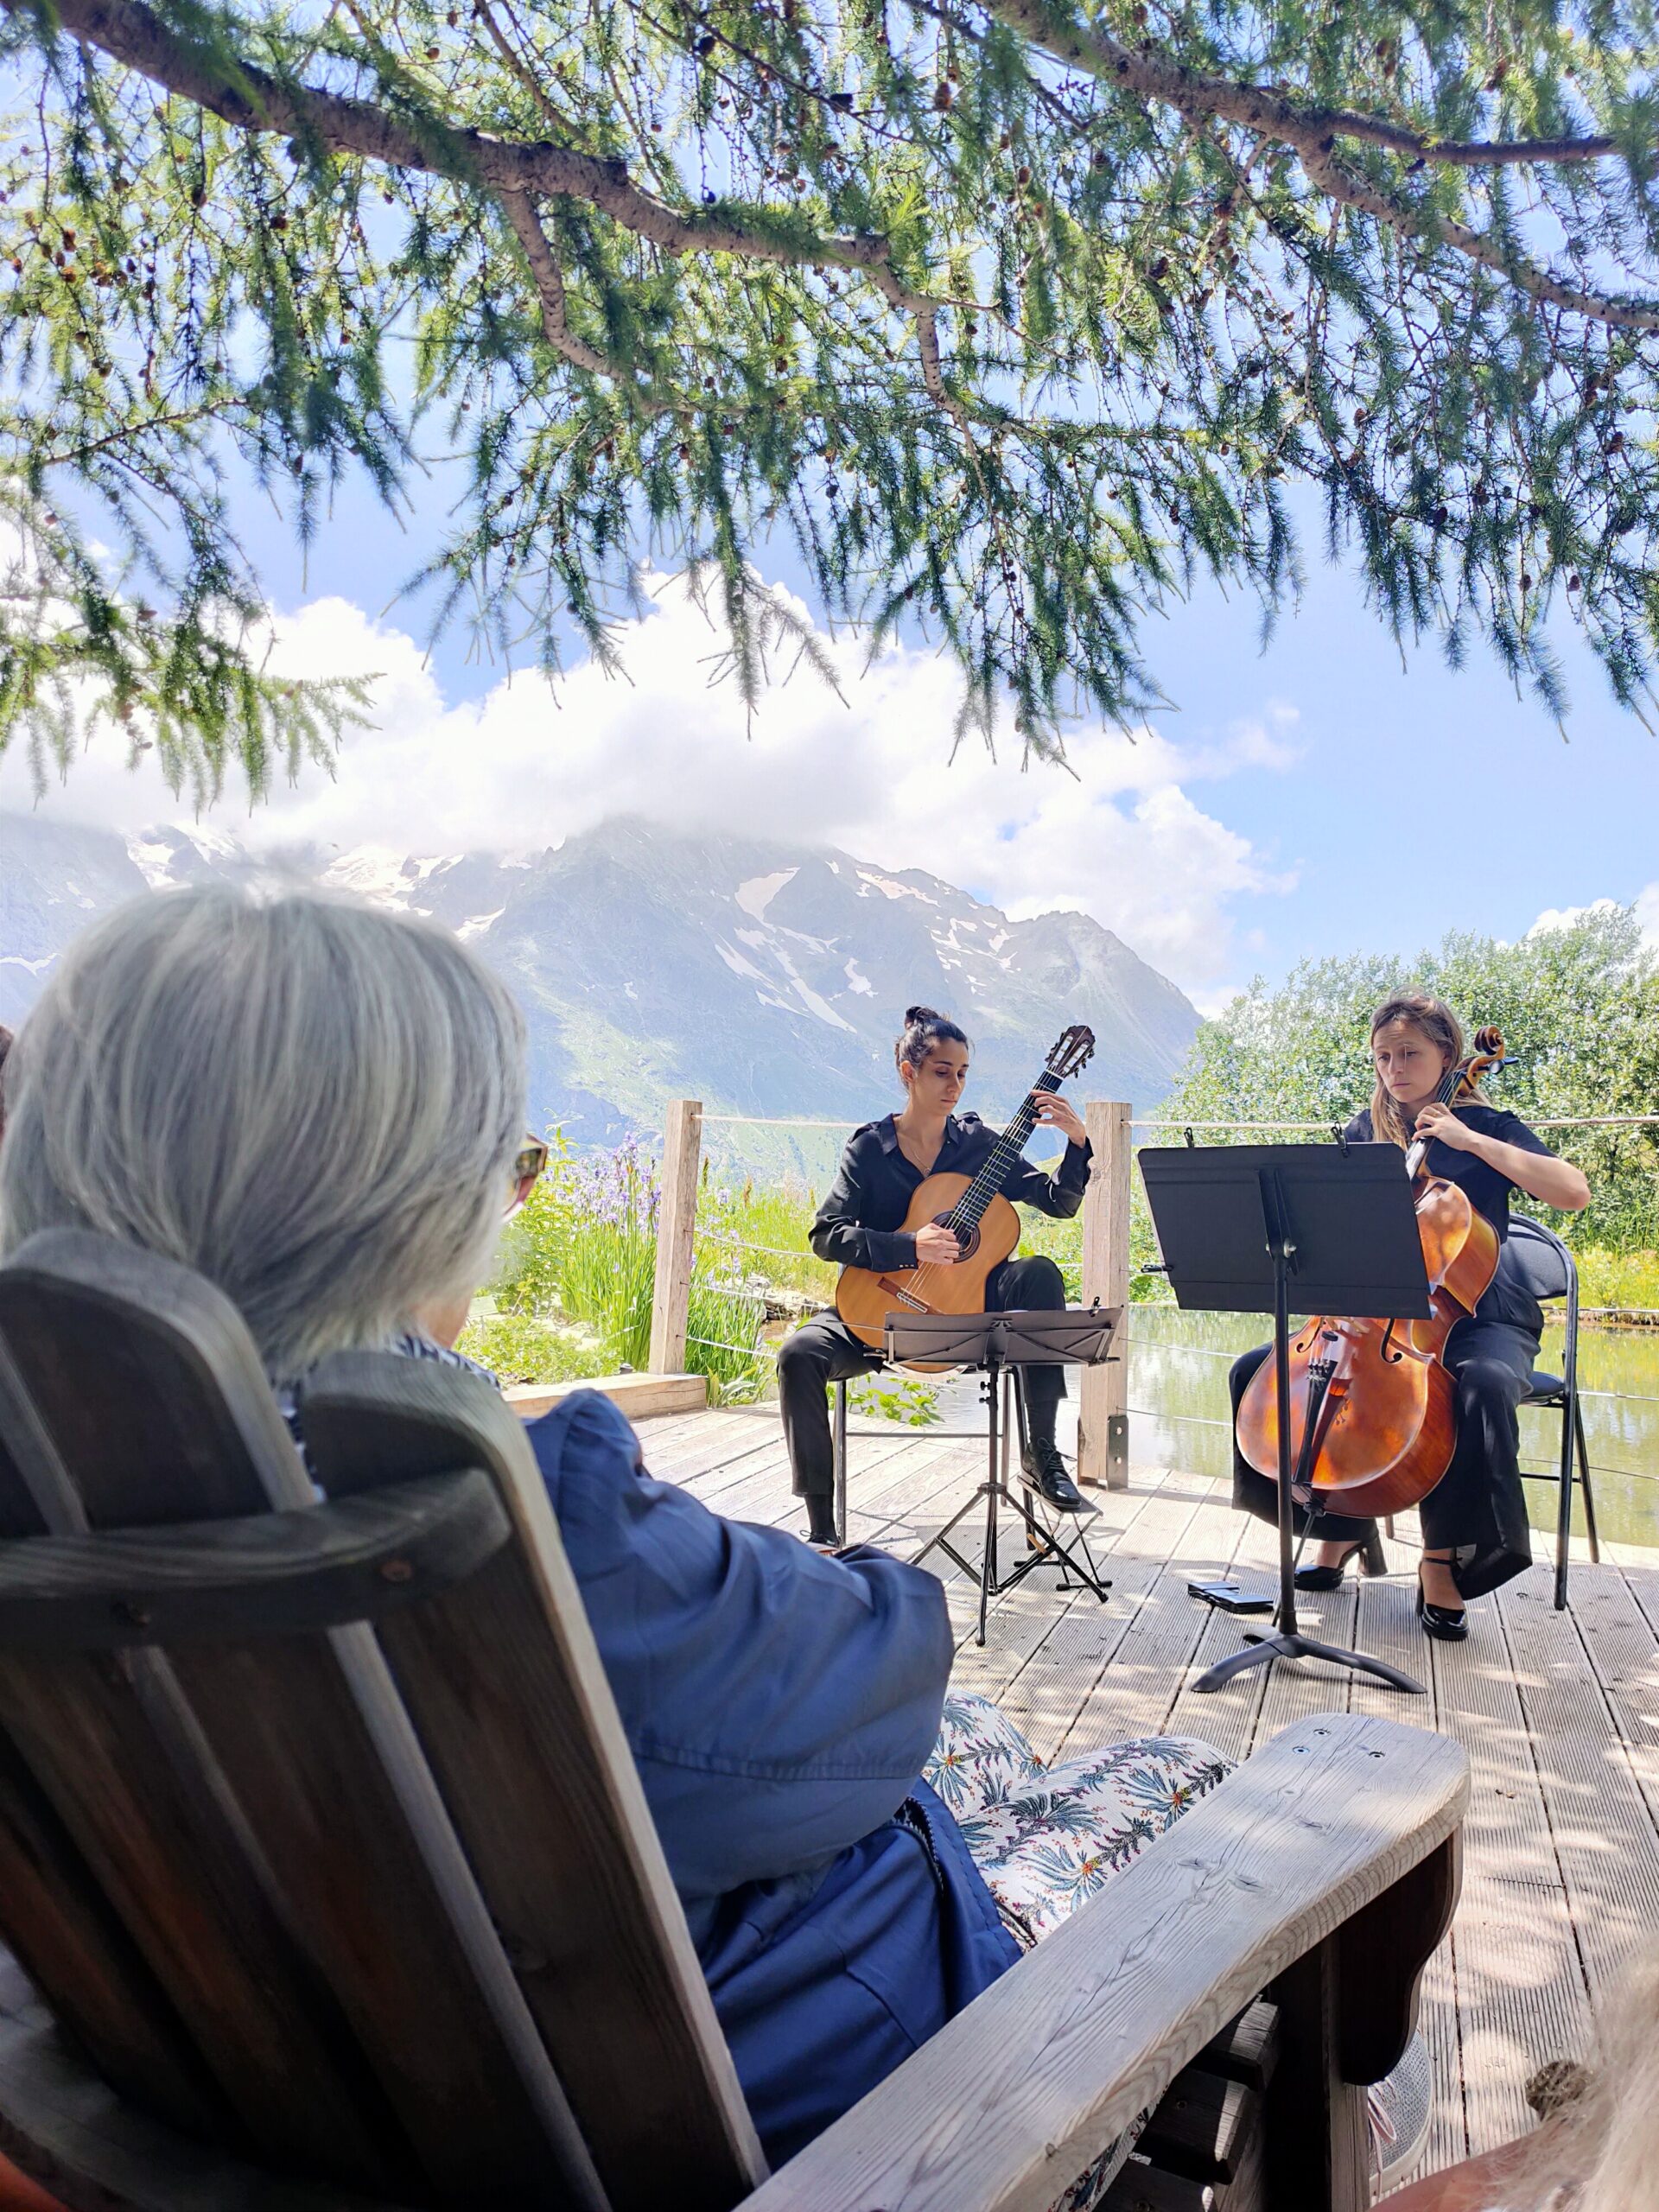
<point x="1313" y="798"/>
<point x="1423" y="799"/>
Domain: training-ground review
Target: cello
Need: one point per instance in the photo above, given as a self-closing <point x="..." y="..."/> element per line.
<point x="1373" y="1408"/>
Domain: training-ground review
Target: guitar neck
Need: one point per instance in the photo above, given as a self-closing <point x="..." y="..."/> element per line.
<point x="1002" y="1158"/>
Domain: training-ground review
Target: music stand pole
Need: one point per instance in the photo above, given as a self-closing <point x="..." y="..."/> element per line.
<point x="1284" y="1252"/>
<point x="1288" y="1641"/>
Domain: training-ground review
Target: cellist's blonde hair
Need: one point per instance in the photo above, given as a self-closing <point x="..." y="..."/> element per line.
<point x="1443" y="1030"/>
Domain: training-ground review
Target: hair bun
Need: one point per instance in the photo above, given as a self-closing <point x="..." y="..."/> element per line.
<point x="914" y="1013"/>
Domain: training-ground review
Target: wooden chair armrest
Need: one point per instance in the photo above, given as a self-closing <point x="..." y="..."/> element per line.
<point x="1009" y="2104"/>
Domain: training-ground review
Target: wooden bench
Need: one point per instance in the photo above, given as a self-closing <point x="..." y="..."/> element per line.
<point x="333" y="1880"/>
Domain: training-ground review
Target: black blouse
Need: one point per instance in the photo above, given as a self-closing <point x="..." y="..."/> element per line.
<point x="1508" y="1300"/>
<point x="857" y="1225"/>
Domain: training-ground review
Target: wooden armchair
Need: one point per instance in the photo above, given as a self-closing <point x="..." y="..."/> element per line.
<point x="326" y="1863"/>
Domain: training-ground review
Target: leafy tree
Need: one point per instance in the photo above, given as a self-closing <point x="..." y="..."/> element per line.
<point x="1013" y="315"/>
<point x="1578" y="1008"/>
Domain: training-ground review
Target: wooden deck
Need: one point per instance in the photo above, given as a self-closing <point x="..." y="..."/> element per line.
<point x="1558" y="1711"/>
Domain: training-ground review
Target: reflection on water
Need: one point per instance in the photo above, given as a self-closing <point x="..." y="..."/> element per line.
<point x="1177" y="1367"/>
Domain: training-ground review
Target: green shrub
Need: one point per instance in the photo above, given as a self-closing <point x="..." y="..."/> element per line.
<point x="528" y="1347"/>
<point x="583" y="1255"/>
<point x="763" y="1228"/>
<point x="903" y="1398"/>
<point x="1618" y="1278"/>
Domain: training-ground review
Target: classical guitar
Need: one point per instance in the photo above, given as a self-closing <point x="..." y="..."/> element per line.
<point x="987" y="1227"/>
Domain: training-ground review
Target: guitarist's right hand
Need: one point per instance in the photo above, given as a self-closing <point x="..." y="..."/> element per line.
<point x="936" y="1246"/>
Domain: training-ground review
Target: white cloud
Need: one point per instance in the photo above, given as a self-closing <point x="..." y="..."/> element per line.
<point x="1647" y="914"/>
<point x="1120" y="836"/>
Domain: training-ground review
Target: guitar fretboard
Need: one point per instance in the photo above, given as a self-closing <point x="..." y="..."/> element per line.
<point x="1000" y="1163"/>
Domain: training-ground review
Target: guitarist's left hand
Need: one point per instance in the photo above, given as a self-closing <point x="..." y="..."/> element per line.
<point x="1057" y="1113"/>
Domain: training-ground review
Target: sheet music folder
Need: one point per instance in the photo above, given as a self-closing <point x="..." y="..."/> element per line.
<point x="1357" y="1249"/>
<point x="1078" y="1336"/>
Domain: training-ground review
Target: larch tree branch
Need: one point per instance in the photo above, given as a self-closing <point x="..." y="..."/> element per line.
<point x="1011" y="323"/>
<point x="1313" y="132"/>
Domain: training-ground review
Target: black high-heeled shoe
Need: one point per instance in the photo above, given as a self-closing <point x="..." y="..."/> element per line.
<point x="1372" y="1561"/>
<point x="1449" y="1623"/>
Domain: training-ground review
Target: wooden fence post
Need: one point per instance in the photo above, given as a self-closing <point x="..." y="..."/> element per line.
<point x="676" y="1221"/>
<point x="1103" y="1397"/>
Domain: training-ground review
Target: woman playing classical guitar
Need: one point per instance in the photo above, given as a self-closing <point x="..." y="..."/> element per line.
<point x="1474" y="1521"/>
<point x="857" y="1225"/>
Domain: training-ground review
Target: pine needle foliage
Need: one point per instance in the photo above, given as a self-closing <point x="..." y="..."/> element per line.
<point x="1016" y="316"/>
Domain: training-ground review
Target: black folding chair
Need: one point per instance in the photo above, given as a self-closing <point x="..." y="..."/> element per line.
<point x="1537" y="1257"/>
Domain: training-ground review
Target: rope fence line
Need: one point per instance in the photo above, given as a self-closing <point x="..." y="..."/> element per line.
<point x="755" y="1275"/>
<point x="754" y="1351"/>
<point x="769" y="1121"/>
<point x="1558" y="1122"/>
<point x="1542" y="1474"/>
<point x="771" y="1251"/>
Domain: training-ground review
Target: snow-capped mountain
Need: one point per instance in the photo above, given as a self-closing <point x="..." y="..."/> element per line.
<point x="766" y="980"/>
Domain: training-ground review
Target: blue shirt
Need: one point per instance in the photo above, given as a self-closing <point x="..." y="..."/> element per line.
<point x="779" y="1705"/>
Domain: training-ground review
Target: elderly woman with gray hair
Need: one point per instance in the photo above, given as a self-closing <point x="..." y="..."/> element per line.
<point x="320" y="1106"/>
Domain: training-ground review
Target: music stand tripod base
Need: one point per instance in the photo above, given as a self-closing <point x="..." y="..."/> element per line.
<point x="1262" y="1648"/>
<point x="999" y="1344"/>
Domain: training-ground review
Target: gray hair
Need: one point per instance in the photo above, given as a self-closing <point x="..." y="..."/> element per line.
<point x="313" y="1101"/>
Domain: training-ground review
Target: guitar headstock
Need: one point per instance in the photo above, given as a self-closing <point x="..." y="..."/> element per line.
<point x="1073" y="1049"/>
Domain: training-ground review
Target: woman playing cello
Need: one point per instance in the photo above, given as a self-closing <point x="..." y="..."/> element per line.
<point x="1474" y="1521"/>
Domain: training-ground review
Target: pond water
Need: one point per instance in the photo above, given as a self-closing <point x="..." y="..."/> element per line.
<point x="1178" y="1410"/>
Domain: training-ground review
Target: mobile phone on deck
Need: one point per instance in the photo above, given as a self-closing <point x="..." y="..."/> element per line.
<point x="1232" y="1597"/>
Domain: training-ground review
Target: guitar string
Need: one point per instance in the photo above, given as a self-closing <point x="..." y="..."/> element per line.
<point x="957" y="1217"/>
<point x="992" y="1173"/>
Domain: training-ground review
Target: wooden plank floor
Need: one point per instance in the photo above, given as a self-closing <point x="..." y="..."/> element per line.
<point x="1558" y="1711"/>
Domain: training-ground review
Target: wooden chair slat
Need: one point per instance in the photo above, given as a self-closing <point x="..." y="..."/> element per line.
<point x="1201" y="2125"/>
<point x="58" y="1925"/>
<point x="95" y="2151"/>
<point x="264" y="1574"/>
<point x="503" y="1682"/>
<point x="52" y="1912"/>
<point x="105" y="1743"/>
<point x="306" y="1732"/>
<point x="1140" y="2190"/>
<point x="1247" y="2050"/>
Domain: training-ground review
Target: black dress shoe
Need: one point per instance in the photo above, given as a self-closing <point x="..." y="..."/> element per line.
<point x="1042" y="1469"/>
<point x="1449" y="1623"/>
<point x="1372" y="1558"/>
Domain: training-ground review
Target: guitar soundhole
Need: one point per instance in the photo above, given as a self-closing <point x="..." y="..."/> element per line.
<point x="969" y="1243"/>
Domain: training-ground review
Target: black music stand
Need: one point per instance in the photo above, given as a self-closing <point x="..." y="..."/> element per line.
<point x="1238" y="1225"/>
<point x="999" y="1344"/>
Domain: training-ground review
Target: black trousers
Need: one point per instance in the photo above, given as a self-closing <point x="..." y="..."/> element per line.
<point x="1478" y="1510"/>
<point x="824" y="1349"/>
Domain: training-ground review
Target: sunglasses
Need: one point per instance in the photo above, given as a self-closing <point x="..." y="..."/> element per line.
<point x="528" y="1163"/>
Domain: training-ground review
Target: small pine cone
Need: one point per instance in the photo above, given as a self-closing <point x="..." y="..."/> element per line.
<point x="1562" y="2083"/>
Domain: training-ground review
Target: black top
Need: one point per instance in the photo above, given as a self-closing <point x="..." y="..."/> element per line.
<point x="857" y="1225"/>
<point x="1488" y="1192"/>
